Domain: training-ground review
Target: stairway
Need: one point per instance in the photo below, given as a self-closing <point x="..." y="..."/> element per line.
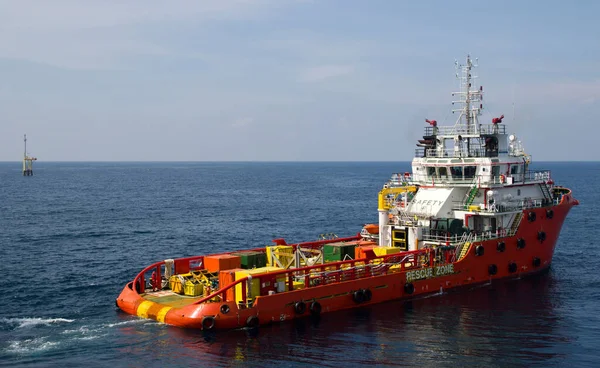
<point x="515" y="224"/>
<point x="463" y="246"/>
<point x="546" y="192"/>
<point x="472" y="194"/>
<point x="464" y="250"/>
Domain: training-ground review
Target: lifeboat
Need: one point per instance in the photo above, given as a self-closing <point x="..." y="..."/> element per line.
<point x="371" y="228"/>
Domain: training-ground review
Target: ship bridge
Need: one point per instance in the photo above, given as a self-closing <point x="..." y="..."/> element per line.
<point x="471" y="177"/>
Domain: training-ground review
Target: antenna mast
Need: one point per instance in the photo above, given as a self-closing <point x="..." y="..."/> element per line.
<point x="470" y="99"/>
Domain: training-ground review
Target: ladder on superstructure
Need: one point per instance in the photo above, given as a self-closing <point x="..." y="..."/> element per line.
<point x="515" y="223"/>
<point x="546" y="192"/>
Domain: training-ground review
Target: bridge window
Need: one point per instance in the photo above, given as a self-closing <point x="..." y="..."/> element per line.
<point x="514" y="169"/>
<point x="443" y="171"/>
<point x="470" y="172"/>
<point x="495" y="171"/>
<point x="457" y="172"/>
<point x="430" y="171"/>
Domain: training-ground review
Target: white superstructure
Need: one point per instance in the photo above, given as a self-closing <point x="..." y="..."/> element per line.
<point x="469" y="181"/>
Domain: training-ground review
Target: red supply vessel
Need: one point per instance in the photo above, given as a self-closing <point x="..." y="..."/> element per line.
<point x="470" y="212"/>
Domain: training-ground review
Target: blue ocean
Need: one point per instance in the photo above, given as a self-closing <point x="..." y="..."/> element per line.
<point x="74" y="234"/>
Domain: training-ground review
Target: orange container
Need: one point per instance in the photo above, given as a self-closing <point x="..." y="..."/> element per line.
<point x="222" y="262"/>
<point x="227" y="277"/>
<point x="365" y="251"/>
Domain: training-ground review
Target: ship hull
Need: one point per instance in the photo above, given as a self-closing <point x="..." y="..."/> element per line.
<point x="526" y="253"/>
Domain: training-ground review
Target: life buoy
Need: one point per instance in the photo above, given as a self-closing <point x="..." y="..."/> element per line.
<point x="501" y="247"/>
<point x="531" y="216"/>
<point x="479" y="250"/>
<point x="300" y="307"/>
<point x="409" y="288"/>
<point x="520" y="243"/>
<point x="225" y="309"/>
<point x="208" y="323"/>
<point x="358" y="296"/>
<point x="541" y="236"/>
<point x="502" y="179"/>
<point x="252" y="322"/>
<point x="512" y="267"/>
<point x="492" y="269"/>
<point x="315" y="308"/>
<point x="536" y="262"/>
<point x="549" y="213"/>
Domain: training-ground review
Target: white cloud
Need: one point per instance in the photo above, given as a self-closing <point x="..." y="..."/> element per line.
<point x="322" y="72"/>
<point x="104" y="34"/>
<point x="76" y="14"/>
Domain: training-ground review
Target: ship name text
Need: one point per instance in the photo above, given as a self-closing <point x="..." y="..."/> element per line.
<point x="429" y="272"/>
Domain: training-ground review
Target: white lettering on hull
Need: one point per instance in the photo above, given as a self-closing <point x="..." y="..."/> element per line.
<point x="426" y="273"/>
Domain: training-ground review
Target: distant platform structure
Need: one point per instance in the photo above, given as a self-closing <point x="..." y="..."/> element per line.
<point x="27" y="160"/>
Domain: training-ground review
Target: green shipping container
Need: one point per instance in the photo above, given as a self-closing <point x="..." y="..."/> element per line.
<point x="338" y="252"/>
<point x="251" y="260"/>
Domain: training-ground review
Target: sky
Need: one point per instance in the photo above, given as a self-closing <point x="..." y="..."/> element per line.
<point x="288" y="80"/>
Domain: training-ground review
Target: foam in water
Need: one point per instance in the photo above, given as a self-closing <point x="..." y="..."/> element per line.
<point x="30" y="346"/>
<point x="133" y="321"/>
<point x="30" y="322"/>
<point x="85" y="333"/>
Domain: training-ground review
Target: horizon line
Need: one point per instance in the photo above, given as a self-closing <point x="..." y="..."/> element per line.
<point x="249" y="161"/>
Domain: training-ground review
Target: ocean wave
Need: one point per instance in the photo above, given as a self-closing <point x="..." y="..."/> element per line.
<point x="30" y="322"/>
<point x="85" y="333"/>
<point x="130" y="322"/>
<point x="30" y="346"/>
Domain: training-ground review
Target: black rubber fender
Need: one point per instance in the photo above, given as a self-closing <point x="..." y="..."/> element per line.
<point x="225" y="309"/>
<point x="409" y="288"/>
<point x="520" y="243"/>
<point x="501" y="247"/>
<point x="358" y="296"/>
<point x="368" y="295"/>
<point x="549" y="213"/>
<point x="252" y="322"/>
<point x="492" y="269"/>
<point x="536" y="262"/>
<point x="315" y="308"/>
<point x="541" y="236"/>
<point x="479" y="250"/>
<point x="531" y="216"/>
<point x="512" y="267"/>
<point x="208" y="323"/>
<point x="300" y="307"/>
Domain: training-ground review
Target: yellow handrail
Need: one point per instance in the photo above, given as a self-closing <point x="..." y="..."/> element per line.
<point x="383" y="205"/>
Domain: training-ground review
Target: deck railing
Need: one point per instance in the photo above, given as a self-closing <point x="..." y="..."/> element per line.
<point x="320" y="275"/>
<point x="187" y="264"/>
<point x="464" y="129"/>
<point x="531" y="176"/>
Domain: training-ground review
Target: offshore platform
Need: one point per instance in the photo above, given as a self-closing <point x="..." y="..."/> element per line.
<point x="27" y="160"/>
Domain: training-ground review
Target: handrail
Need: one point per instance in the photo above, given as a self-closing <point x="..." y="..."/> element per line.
<point x="140" y="276"/>
<point x="312" y="244"/>
<point x="306" y="270"/>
